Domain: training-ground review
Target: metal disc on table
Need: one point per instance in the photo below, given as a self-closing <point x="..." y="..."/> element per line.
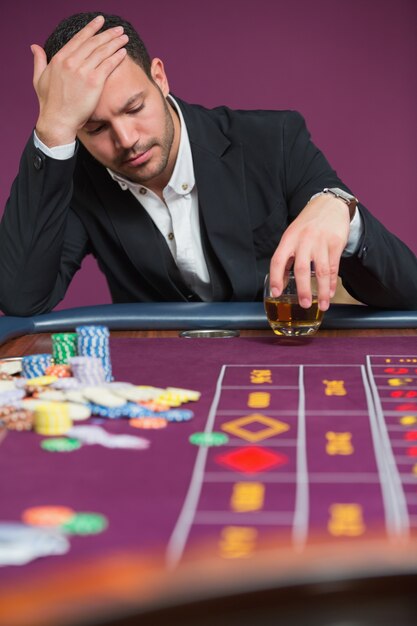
<point x="10" y="365"/>
<point x="209" y="334"/>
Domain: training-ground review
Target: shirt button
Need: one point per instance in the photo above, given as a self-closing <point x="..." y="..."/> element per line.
<point x="143" y="191"/>
<point x="170" y="236"/>
<point x="37" y="162"/>
<point x="184" y="186"/>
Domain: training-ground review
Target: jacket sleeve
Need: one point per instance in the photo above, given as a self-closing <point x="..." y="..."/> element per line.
<point x="383" y="271"/>
<point x="42" y="242"/>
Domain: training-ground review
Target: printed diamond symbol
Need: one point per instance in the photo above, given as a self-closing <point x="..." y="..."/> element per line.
<point x="272" y="427"/>
<point x="251" y="459"/>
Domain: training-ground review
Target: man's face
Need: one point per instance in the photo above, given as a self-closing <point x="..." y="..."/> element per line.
<point x="133" y="131"/>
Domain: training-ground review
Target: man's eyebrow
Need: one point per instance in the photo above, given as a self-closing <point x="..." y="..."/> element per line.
<point x="127" y="104"/>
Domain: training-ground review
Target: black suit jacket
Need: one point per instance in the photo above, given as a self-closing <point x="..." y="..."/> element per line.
<point x="255" y="171"/>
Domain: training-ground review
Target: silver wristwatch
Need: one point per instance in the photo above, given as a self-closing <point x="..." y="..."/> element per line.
<point x="350" y="200"/>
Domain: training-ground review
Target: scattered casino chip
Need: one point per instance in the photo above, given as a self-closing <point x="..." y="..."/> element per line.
<point x="61" y="444"/>
<point x="4" y="375"/>
<point x="11" y="395"/>
<point x="103" y="397"/>
<point x="208" y="439"/>
<point x="178" y="415"/>
<point x="15" y="418"/>
<point x="47" y="515"/>
<point x="41" y="381"/>
<point x="6" y="383"/>
<point x="85" y="524"/>
<point x="149" y="423"/>
<point x="58" y="370"/>
<point x="21" y="544"/>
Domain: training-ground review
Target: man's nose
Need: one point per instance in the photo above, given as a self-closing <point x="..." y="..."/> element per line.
<point x="124" y="135"/>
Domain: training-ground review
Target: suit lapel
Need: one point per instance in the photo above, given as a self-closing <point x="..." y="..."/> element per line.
<point x="219" y="173"/>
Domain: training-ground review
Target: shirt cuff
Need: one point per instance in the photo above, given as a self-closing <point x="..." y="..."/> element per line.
<point x="61" y="153"/>
<point x="355" y="234"/>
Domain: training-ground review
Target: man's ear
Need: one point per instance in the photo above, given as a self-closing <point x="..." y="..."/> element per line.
<point x="159" y="76"/>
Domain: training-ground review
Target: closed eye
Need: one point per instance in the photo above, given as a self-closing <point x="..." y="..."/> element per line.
<point x="96" y="131"/>
<point x="135" y="110"/>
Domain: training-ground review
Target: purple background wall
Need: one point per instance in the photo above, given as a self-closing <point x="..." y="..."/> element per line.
<point x="347" y="65"/>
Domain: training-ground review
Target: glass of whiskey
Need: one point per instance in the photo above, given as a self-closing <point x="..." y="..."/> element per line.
<point x="285" y="316"/>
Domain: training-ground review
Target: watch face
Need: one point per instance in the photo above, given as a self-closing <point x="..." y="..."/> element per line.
<point x="343" y="194"/>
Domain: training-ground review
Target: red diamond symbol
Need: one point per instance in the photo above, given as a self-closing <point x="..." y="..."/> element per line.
<point x="251" y="459"/>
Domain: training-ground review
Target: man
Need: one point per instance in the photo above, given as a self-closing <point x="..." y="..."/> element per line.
<point x="176" y="202"/>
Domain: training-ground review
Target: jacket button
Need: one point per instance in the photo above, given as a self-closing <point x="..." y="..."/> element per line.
<point x="37" y="162"/>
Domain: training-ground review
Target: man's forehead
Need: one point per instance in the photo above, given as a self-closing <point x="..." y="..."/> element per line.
<point x="120" y="107"/>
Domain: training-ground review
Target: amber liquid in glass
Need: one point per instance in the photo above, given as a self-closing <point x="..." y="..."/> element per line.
<point x="287" y="318"/>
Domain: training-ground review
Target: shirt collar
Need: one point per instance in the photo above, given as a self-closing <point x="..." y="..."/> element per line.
<point x="182" y="180"/>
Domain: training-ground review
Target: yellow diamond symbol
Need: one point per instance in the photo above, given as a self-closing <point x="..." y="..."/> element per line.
<point x="272" y="427"/>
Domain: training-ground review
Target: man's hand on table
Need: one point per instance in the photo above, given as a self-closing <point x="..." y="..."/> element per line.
<point x="317" y="236"/>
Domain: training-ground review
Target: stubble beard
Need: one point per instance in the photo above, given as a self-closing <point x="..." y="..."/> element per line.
<point x="149" y="170"/>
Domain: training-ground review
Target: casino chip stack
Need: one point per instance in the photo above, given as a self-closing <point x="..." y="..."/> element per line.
<point x="87" y="370"/>
<point x="64" y="346"/>
<point x="35" y="365"/>
<point x="52" y="418"/>
<point x="93" y="341"/>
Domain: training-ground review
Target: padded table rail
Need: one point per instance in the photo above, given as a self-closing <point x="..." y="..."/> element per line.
<point x="188" y="316"/>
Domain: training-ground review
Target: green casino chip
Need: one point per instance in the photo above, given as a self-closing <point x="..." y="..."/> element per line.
<point x="208" y="439"/>
<point x="85" y="524"/>
<point x="60" y="444"/>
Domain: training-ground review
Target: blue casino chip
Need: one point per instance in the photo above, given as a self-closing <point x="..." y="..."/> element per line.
<point x="177" y="415"/>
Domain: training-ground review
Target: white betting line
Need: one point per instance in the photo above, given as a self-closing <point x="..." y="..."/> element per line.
<point x="182" y="528"/>
<point x="396" y="512"/>
<point x="301" y="513"/>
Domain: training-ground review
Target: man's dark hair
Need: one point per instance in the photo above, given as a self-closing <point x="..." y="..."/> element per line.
<point x="71" y="25"/>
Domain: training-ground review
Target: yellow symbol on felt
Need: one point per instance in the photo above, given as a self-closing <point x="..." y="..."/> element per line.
<point x="259" y="377"/>
<point x="237" y="542"/>
<point x="398" y="382"/>
<point x="339" y="443"/>
<point x="387" y="360"/>
<point x="408" y="360"/>
<point x="259" y="399"/>
<point x="408" y="420"/>
<point x="247" y="496"/>
<point x="346" y="520"/>
<point x="334" y="387"/>
<point x="272" y="427"/>
<point x="414" y="470"/>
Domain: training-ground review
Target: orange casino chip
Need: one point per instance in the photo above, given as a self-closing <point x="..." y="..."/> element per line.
<point x="47" y="515"/>
<point x="149" y="423"/>
<point x="58" y="370"/>
<point x="154" y="405"/>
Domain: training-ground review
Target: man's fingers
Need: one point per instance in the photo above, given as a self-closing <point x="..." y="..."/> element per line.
<point x="280" y="264"/>
<point x="39" y="62"/>
<point x="112" y="38"/>
<point x="104" y="54"/>
<point x="84" y="34"/>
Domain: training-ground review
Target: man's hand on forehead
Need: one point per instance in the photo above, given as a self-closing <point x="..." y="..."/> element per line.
<point x="70" y="86"/>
